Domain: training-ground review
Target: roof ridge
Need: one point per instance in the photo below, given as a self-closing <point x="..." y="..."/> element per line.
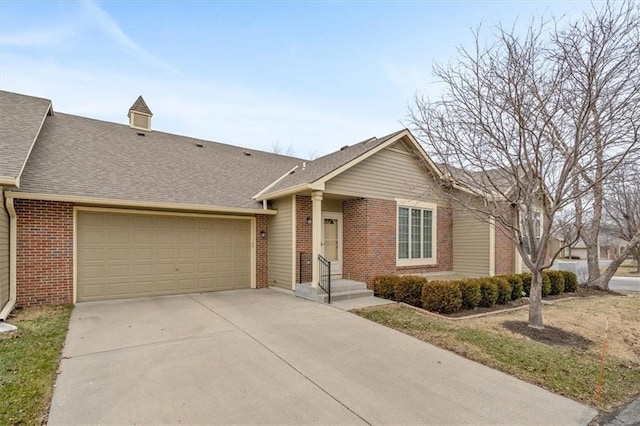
<point x="176" y="135"/>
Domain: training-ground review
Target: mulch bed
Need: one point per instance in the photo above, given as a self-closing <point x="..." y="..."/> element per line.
<point x="548" y="335"/>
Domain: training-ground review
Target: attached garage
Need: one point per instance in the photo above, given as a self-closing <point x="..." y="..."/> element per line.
<point x="124" y="255"/>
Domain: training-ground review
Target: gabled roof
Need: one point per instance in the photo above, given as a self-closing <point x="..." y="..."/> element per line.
<point x="82" y="157"/>
<point x="323" y="168"/>
<point x="21" y="118"/>
<point x="140" y="106"/>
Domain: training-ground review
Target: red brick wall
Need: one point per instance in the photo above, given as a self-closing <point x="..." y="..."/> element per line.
<point x="369" y="240"/>
<point x="505" y="252"/>
<point x="262" y="252"/>
<point x="304" y="238"/>
<point x="44" y="252"/>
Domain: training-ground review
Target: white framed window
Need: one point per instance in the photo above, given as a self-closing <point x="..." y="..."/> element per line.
<point x="536" y="222"/>
<point x="416" y="233"/>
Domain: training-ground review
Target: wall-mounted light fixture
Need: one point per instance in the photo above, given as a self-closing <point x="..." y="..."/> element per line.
<point x="308" y="220"/>
<point x="263" y="233"/>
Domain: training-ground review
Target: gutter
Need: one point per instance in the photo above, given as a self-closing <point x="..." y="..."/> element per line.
<point x="274" y="183"/>
<point x="137" y="204"/>
<point x="9" y="181"/>
<point x="13" y="239"/>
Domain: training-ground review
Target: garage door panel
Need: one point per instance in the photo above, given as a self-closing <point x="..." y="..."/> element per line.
<point x="92" y="236"/>
<point x="142" y="270"/>
<point x="128" y="255"/>
<point x="117" y="236"/>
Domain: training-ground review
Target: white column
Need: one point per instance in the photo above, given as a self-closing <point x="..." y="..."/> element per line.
<point x="316" y="234"/>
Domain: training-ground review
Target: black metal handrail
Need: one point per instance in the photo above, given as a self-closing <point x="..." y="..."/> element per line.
<point x="325" y="276"/>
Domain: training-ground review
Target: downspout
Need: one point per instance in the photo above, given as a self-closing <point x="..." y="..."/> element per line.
<point x="13" y="239"/>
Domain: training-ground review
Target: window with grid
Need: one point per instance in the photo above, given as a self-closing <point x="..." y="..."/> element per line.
<point x="415" y="233"/>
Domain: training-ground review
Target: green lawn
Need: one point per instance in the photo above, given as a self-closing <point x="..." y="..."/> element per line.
<point x="569" y="370"/>
<point x="29" y="360"/>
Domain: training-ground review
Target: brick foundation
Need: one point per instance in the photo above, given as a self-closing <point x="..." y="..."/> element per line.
<point x="369" y="240"/>
<point x="44" y="253"/>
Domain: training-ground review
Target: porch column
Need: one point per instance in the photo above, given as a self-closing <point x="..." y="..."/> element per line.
<point x="316" y="237"/>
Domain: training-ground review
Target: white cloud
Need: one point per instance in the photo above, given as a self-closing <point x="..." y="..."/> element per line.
<point x="40" y="37"/>
<point x="111" y="28"/>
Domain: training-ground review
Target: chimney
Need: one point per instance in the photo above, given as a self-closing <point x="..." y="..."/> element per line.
<point x="140" y="115"/>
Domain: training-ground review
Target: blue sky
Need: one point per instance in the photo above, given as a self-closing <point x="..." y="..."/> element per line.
<point x="313" y="75"/>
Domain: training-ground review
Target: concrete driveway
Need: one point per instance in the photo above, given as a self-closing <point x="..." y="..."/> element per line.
<point x="261" y="356"/>
<point x="625" y="283"/>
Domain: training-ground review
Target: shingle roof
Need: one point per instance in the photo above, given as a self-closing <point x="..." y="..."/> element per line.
<point x="320" y="167"/>
<point x="77" y="156"/>
<point x="140" y="106"/>
<point x="492" y="180"/>
<point x="20" y="120"/>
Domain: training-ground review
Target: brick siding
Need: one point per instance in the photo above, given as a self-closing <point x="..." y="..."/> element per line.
<point x="44" y="253"/>
<point x="304" y="238"/>
<point x="505" y="252"/>
<point x="369" y="240"/>
<point x="262" y="252"/>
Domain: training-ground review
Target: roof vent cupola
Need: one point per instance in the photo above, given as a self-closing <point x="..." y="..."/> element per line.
<point x="140" y="115"/>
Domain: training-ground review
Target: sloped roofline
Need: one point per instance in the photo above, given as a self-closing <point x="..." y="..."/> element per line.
<point x="15" y="180"/>
<point x="319" y="184"/>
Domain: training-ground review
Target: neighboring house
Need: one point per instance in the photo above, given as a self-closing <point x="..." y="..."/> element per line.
<point x="608" y="248"/>
<point x="93" y="210"/>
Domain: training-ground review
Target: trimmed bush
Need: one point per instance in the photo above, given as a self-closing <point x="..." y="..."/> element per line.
<point x="556" y="279"/>
<point x="384" y="286"/>
<point x="570" y="281"/>
<point x="408" y="289"/>
<point x="444" y="297"/>
<point x="526" y="284"/>
<point x="488" y="291"/>
<point x="546" y="285"/>
<point x="515" y="280"/>
<point x="504" y="290"/>
<point x="471" y="295"/>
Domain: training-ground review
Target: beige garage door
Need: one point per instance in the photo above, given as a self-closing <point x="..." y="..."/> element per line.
<point x="133" y="255"/>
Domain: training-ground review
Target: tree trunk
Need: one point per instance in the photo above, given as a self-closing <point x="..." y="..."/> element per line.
<point x="638" y="263"/>
<point x="535" y="301"/>
<point x="593" y="265"/>
<point x="603" y="280"/>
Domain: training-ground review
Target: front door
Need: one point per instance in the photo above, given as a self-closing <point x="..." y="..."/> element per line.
<point x="332" y="241"/>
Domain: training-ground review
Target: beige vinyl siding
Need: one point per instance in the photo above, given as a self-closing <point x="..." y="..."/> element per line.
<point x="471" y="244"/>
<point x="281" y="244"/>
<point x="392" y="173"/>
<point x="4" y="252"/>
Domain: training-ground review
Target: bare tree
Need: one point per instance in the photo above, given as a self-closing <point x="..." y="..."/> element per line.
<point x="567" y="229"/>
<point x="276" y="148"/>
<point x="622" y="213"/>
<point x="602" y="99"/>
<point x="506" y="127"/>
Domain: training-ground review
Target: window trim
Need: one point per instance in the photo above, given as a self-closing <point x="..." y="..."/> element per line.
<point x="414" y="204"/>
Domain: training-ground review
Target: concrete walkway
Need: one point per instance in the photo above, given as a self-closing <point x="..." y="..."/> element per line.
<point x="260" y="356"/>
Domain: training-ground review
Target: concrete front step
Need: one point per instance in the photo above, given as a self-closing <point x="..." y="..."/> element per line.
<point x="344" y="295"/>
<point x="340" y="290"/>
